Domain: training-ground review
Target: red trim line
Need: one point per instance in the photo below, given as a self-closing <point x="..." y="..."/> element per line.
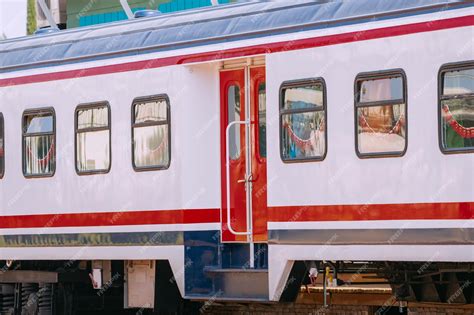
<point x="409" y="211"/>
<point x="248" y="51"/>
<point x="111" y="218"/>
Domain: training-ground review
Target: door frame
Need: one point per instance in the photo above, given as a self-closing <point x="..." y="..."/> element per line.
<point x="227" y="236"/>
<point x="253" y="76"/>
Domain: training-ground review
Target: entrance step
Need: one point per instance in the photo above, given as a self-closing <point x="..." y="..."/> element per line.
<point x="234" y="284"/>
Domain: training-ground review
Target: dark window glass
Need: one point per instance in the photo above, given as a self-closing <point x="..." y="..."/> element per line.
<point x="151" y="134"/>
<point x="381" y="114"/>
<point x="39" y="156"/>
<point x="262" y="120"/>
<point x="302" y="117"/>
<point x="457" y="109"/>
<point x="93" y="138"/>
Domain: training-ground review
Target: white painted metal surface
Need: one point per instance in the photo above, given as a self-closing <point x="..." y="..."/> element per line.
<point x="424" y="174"/>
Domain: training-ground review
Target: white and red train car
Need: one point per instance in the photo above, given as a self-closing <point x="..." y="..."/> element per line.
<point x="229" y="148"/>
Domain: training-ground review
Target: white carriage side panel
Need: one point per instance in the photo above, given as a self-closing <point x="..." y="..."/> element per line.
<point x="338" y="71"/>
<point x="191" y="182"/>
<point x="424" y="174"/>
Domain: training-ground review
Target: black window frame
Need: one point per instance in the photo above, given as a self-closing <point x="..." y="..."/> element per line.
<point x="2" y="134"/>
<point x="144" y="99"/>
<point x="38" y="111"/>
<point x="86" y="106"/>
<point x="295" y="84"/>
<point x="376" y="75"/>
<point x="448" y="67"/>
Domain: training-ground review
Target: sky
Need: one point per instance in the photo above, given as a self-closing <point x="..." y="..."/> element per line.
<point x="12" y="18"/>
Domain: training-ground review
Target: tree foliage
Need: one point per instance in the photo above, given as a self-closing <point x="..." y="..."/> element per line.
<point x="31" y="18"/>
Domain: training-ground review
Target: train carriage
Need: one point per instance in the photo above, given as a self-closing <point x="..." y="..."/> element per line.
<point x="220" y="153"/>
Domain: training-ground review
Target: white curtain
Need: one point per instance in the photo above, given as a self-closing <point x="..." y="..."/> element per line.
<point x="151" y="147"/>
<point x="39" y="155"/>
<point x="93" y="147"/>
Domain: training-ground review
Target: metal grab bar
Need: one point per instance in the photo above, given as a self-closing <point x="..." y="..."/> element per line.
<point x="227" y="170"/>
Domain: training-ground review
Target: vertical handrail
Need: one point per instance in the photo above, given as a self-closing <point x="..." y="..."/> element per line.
<point x="248" y="164"/>
<point x="227" y="171"/>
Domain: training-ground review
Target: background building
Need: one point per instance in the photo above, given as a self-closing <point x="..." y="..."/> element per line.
<point x="22" y="17"/>
<point x="58" y="10"/>
<point x="89" y="12"/>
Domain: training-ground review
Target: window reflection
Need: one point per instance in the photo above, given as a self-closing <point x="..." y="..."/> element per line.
<point x="303" y="135"/>
<point x="381" y="90"/>
<point x="303" y="97"/>
<point x="457" y="109"/>
<point x="151" y="147"/>
<point x="262" y="120"/>
<point x="93" y="151"/>
<point x="381" y="129"/>
<point x="233" y="107"/>
<point x="303" y="128"/>
<point x="381" y="116"/>
<point x="93" y="139"/>
<point x="38" y="144"/>
<point x="458" y="82"/>
<point x="36" y="124"/>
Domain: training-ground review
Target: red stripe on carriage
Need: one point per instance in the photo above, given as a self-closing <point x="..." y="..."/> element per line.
<point x="390" y="31"/>
<point x="409" y="211"/>
<point x="111" y="218"/>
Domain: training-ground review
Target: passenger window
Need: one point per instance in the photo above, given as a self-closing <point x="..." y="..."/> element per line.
<point x="303" y="120"/>
<point x="456" y="108"/>
<point x="2" y="146"/>
<point x="380" y="109"/>
<point x="39" y="156"/>
<point x="151" y="133"/>
<point x="93" y="149"/>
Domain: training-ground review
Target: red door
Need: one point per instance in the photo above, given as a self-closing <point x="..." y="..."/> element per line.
<point x="243" y="156"/>
<point x="259" y="153"/>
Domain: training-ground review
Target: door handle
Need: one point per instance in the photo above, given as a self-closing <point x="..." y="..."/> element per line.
<point x="249" y="179"/>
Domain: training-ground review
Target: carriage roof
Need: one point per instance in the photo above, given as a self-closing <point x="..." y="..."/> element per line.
<point x="200" y="27"/>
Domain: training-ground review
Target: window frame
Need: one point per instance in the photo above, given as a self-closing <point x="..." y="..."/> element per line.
<point x="282" y="111"/>
<point x="86" y="106"/>
<point x="374" y="75"/>
<point x="258" y="82"/>
<point x="448" y="67"/>
<point x="28" y="112"/>
<point x="142" y="99"/>
<point x="2" y="132"/>
<point x="236" y="83"/>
